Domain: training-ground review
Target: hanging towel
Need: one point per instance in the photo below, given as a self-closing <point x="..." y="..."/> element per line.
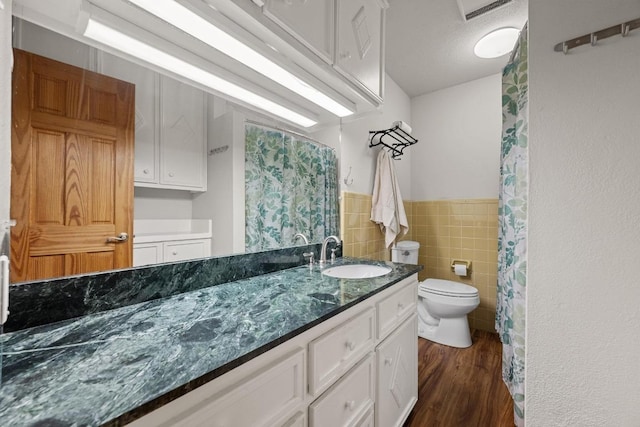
<point x="387" y="208"/>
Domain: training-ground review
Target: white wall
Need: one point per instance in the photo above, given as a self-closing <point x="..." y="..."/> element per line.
<point x="353" y="143"/>
<point x="583" y="293"/>
<point x="154" y="203"/>
<point x="458" y="153"/>
<point x="6" y="63"/>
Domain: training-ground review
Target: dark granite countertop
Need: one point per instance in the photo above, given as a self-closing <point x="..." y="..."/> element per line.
<point x="114" y="366"/>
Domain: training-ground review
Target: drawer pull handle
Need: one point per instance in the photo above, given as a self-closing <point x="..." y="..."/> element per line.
<point x="400" y="306"/>
<point x="175" y="252"/>
<point x="350" y="345"/>
<point x="388" y="361"/>
<point x="350" y="404"/>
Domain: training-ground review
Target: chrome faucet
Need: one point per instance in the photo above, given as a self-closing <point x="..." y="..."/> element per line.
<point x="323" y="251"/>
<point x="302" y="236"/>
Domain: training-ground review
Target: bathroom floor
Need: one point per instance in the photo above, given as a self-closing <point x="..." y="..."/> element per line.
<point x="461" y="387"/>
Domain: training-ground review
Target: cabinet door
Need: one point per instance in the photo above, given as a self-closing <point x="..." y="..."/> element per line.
<point x="183" y="250"/>
<point x="397" y="387"/>
<point x="146" y="81"/>
<point x="147" y="253"/>
<point x="310" y="21"/>
<point x="182" y="136"/>
<point x="359" y="43"/>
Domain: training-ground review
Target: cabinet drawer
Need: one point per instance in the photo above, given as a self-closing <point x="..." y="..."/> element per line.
<point x="269" y="398"/>
<point x="397" y="307"/>
<point x="187" y="249"/>
<point x="335" y="352"/>
<point x="348" y="401"/>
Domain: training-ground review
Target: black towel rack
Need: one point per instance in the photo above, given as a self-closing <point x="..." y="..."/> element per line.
<point x="395" y="139"/>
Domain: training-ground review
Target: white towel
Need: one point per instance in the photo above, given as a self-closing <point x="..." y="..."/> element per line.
<point x="387" y="208"/>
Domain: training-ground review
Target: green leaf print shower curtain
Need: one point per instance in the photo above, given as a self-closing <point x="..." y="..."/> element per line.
<point x="291" y="186"/>
<point x="512" y="211"/>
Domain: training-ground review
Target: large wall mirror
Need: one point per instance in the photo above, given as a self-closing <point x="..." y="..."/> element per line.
<point x="213" y="207"/>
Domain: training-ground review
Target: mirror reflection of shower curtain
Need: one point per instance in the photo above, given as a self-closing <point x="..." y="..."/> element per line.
<point x="291" y="186"/>
<point x="512" y="232"/>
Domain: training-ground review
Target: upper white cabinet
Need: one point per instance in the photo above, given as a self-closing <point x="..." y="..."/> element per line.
<point x="359" y="41"/>
<point x="349" y="34"/>
<point x="183" y="155"/>
<point x="310" y="21"/>
<point x="146" y="81"/>
<point x="170" y="148"/>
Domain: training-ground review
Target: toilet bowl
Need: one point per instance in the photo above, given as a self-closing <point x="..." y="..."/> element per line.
<point x="443" y="306"/>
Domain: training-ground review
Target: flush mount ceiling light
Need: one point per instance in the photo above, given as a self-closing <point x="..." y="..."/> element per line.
<point x="183" y="18"/>
<point x="497" y="43"/>
<point x="106" y="34"/>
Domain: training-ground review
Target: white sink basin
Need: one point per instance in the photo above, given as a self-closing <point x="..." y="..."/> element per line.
<point x="356" y="271"/>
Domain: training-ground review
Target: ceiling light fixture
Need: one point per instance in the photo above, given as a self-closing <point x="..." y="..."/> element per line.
<point x="183" y="18"/>
<point x="497" y="43"/>
<point x="107" y="35"/>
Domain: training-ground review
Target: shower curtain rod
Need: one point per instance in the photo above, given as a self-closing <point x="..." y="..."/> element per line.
<point x="290" y="132"/>
<point x="593" y="38"/>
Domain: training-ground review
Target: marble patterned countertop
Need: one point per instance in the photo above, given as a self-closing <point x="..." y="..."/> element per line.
<point x="111" y="367"/>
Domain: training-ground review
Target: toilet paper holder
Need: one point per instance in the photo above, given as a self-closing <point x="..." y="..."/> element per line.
<point x="466" y="263"/>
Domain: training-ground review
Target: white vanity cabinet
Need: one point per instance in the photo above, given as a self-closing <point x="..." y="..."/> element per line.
<point x="173" y="251"/>
<point x="311" y="22"/>
<point x="359" y="40"/>
<point x="166" y="240"/>
<point x="346" y="371"/>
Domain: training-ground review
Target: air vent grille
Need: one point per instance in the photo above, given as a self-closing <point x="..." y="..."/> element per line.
<point x="486" y="9"/>
<point x="481" y="10"/>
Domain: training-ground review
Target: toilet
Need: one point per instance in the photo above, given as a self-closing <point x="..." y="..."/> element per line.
<point x="443" y="305"/>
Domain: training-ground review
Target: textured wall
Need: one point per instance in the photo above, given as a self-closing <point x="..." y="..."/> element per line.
<point x="458" y="153"/>
<point x="583" y="297"/>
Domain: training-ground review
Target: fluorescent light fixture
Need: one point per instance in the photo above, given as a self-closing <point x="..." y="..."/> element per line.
<point x="193" y="24"/>
<point x="497" y="43"/>
<point x="107" y="35"/>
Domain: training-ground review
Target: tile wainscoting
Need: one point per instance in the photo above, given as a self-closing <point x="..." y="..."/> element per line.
<point x="446" y="229"/>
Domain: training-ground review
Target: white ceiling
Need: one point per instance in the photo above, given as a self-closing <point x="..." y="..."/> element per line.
<point x="429" y="46"/>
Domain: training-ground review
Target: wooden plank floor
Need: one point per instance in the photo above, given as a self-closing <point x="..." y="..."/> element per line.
<point x="461" y="387"/>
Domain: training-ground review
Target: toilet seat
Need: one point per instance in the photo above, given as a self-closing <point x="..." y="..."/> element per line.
<point x="448" y="288"/>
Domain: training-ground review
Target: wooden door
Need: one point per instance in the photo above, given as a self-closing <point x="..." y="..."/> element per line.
<point x="72" y="144"/>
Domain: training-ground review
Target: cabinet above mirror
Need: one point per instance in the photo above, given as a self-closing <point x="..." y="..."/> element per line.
<point x="307" y="75"/>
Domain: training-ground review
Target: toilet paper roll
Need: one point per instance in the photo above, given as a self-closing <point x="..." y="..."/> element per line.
<point x="402" y="125"/>
<point x="460" y="269"/>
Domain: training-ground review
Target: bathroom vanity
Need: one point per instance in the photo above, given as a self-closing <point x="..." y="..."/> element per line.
<point x="291" y="347"/>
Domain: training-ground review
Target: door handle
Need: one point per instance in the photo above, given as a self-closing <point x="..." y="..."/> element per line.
<point x="122" y="237"/>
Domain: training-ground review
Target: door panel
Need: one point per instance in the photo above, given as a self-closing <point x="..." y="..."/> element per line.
<point x="72" y="169"/>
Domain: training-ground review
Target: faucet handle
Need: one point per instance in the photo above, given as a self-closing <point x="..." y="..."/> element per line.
<point x="310" y="255"/>
<point x="333" y="254"/>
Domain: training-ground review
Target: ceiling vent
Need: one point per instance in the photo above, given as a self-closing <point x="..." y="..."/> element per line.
<point x="470" y="9"/>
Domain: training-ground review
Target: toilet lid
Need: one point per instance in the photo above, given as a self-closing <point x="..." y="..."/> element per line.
<point x="448" y="288"/>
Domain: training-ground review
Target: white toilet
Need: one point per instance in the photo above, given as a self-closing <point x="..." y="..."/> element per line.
<point x="443" y="305"/>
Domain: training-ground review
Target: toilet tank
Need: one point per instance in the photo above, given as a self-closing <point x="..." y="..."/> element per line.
<point x="405" y="252"/>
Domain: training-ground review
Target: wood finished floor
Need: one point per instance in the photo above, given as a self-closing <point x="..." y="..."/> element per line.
<point x="461" y="387"/>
